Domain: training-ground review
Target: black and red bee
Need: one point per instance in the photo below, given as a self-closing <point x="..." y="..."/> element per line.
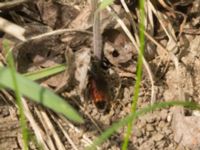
<point x="97" y="95"/>
<point x="98" y="86"/>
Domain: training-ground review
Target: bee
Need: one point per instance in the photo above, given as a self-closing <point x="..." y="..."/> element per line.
<point x="97" y="95"/>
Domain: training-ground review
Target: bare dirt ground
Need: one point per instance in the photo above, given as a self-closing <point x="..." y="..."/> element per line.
<point x="175" y="69"/>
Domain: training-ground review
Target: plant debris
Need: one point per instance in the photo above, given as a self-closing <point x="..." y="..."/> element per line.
<point x="60" y="32"/>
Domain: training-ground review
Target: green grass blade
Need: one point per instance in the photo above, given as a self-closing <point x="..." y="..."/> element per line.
<point x="22" y="119"/>
<point x="139" y="74"/>
<point x="116" y="126"/>
<point x="39" y="74"/>
<point x="39" y="94"/>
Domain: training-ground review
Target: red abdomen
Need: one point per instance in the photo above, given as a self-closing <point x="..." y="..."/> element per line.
<point x="96" y="94"/>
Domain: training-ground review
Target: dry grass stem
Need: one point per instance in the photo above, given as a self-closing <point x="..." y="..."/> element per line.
<point x="47" y="134"/>
<point x="66" y="135"/>
<point x="61" y="31"/>
<point x="12" y="29"/>
<point x="51" y="130"/>
<point x="6" y="5"/>
<point x="37" y="130"/>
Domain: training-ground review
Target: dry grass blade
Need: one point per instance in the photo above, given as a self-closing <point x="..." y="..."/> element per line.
<point x="18" y="32"/>
<point x="64" y="132"/>
<point x="12" y="29"/>
<point x="61" y="31"/>
<point x="54" y="139"/>
<point x="6" y="5"/>
<point x="97" y="39"/>
<point x="68" y="137"/>
<point x="8" y="99"/>
<point x="47" y="134"/>
<point x="41" y="136"/>
<point x="85" y="140"/>
<point x="50" y="126"/>
<point x="37" y="130"/>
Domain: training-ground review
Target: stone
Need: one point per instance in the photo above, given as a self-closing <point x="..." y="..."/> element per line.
<point x="140" y="141"/>
<point x="168" y="131"/>
<point x="161" y="124"/>
<point x="169" y="118"/>
<point x="158" y="137"/>
<point x="147" y="145"/>
<point x="160" y="144"/>
<point x="138" y="133"/>
<point x="164" y="114"/>
<point x="149" y="127"/>
<point x="148" y="134"/>
<point x="151" y="119"/>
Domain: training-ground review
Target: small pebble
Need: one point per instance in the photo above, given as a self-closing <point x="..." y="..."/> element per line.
<point x="164" y="114"/>
<point x="169" y="118"/>
<point x="149" y="127"/>
<point x="148" y="145"/>
<point x="112" y="112"/>
<point x="148" y="134"/>
<point x="168" y="131"/>
<point x="140" y="141"/>
<point x="117" y="111"/>
<point x="106" y="120"/>
<point x="138" y="133"/>
<point x="142" y="123"/>
<point x="151" y="119"/>
<point x="158" y="137"/>
<point x="145" y="138"/>
<point x="161" y="124"/>
<point x="170" y="146"/>
<point x="160" y="144"/>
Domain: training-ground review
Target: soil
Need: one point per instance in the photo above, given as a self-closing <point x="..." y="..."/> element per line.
<point x="175" y="73"/>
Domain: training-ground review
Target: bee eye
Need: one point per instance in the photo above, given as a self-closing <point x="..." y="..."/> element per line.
<point x="105" y="64"/>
